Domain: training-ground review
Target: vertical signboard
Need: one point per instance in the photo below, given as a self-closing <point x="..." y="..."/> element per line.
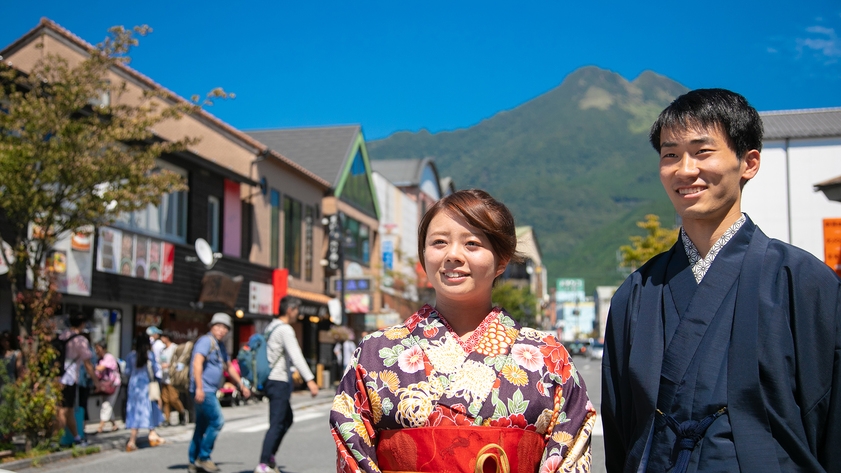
<point x="832" y="243"/>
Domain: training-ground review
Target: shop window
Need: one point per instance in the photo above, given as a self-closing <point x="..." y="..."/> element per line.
<point x="213" y="208"/>
<point x="168" y="220"/>
<point x="357" y="242"/>
<point x="292" y="236"/>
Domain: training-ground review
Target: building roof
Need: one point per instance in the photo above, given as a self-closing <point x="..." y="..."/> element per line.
<point x="813" y="123"/>
<point x="50" y="26"/>
<point x="835" y="181"/>
<point x="403" y="172"/>
<point x="322" y="150"/>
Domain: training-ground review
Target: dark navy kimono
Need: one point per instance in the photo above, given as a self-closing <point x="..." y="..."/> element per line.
<point x="760" y="335"/>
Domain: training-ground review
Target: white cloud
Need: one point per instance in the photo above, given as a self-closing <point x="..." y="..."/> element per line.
<point x="823" y="41"/>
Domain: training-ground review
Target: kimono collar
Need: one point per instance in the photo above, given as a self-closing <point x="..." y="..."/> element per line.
<point x="469" y="345"/>
<point x="701" y="265"/>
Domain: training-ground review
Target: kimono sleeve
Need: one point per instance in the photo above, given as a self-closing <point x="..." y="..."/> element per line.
<point x="568" y="445"/>
<point x="352" y="422"/>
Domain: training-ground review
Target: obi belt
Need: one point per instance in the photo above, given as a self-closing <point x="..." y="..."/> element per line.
<point x="459" y="450"/>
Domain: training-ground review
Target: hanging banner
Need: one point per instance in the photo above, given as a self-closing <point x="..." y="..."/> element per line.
<point x="135" y="256"/>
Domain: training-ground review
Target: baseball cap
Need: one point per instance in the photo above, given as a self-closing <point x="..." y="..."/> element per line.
<point x="153" y="331"/>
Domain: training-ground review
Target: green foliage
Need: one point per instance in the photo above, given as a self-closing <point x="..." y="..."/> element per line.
<point x="519" y="302"/>
<point x="573" y="163"/>
<point x="643" y="248"/>
<point x="28" y="406"/>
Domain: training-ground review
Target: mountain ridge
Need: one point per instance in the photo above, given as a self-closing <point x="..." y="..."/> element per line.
<point x="583" y="188"/>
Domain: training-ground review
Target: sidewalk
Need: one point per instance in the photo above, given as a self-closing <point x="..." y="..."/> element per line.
<point x="117" y="440"/>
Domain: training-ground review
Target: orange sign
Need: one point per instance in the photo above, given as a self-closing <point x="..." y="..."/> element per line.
<point x="832" y="243"/>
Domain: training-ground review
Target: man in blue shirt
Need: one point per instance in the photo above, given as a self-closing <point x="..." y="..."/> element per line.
<point x="209" y="363"/>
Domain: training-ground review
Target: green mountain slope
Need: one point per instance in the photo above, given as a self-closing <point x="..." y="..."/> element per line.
<point x="574" y="163"/>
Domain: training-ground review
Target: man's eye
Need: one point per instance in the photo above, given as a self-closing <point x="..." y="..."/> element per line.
<point x="668" y="155"/>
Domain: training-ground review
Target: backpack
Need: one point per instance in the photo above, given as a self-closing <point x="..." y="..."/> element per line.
<point x="60" y="346"/>
<point x="254" y="361"/>
<point x="179" y="366"/>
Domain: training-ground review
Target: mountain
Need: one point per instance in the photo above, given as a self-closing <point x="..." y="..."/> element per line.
<point x="574" y="163"/>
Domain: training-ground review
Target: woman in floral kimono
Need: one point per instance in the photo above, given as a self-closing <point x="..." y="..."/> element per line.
<point x="461" y="386"/>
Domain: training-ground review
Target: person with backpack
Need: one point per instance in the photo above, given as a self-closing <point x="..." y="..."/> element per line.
<point x="108" y="372"/>
<point x="74" y="352"/>
<point x="169" y="394"/>
<point x="282" y="352"/>
<point x="210" y="361"/>
<point x="179" y="378"/>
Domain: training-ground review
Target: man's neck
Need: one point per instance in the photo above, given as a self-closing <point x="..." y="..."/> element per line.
<point x="704" y="233"/>
<point x="283" y="318"/>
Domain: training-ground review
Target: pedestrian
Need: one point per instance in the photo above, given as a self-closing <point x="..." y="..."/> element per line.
<point x="169" y="395"/>
<point x="462" y="386"/>
<point x="77" y="355"/>
<point x="108" y="373"/>
<point x="155" y="340"/>
<point x="282" y="352"/>
<point x="721" y="354"/>
<point x="142" y="411"/>
<point x="210" y="360"/>
<point x="12" y="360"/>
<point x="179" y="378"/>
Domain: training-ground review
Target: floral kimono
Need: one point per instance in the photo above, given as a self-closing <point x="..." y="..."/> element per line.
<point x="418" y="398"/>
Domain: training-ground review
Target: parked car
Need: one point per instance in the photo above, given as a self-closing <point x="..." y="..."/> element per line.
<point x="578" y="347"/>
<point x="596" y="351"/>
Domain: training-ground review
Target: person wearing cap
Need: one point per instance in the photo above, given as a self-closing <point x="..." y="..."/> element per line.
<point x="283" y="352"/>
<point x="155" y="340"/>
<point x="209" y="363"/>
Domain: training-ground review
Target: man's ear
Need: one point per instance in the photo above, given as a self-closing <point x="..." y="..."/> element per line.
<point x="750" y="165"/>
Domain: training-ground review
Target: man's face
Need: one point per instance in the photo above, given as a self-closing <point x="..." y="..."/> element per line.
<point x="702" y="175"/>
<point x="293" y="312"/>
<point x="219" y="331"/>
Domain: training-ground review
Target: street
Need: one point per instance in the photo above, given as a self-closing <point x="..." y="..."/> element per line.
<point x="307" y="448"/>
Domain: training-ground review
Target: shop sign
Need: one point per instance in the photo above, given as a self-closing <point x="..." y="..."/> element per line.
<point x="832" y="243"/>
<point x="70" y="260"/>
<point x="260" y="298"/>
<point x="217" y="286"/>
<point x="135" y="256"/>
<point x="357" y="303"/>
<point x="352" y="285"/>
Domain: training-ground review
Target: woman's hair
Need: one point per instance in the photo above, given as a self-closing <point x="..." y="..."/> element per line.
<point x="103" y="344"/>
<point x="141" y="348"/>
<point x="480" y="210"/>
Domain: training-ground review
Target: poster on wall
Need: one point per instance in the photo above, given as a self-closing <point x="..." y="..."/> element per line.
<point x="260" y="298"/>
<point x="70" y="260"/>
<point x="135" y="256"/>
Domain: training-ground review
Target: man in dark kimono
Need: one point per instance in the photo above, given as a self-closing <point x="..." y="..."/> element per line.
<point x="723" y="353"/>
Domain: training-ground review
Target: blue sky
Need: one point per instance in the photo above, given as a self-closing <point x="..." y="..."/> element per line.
<point x="393" y="66"/>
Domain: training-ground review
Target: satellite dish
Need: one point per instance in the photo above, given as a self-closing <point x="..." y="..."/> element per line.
<point x="204" y="252"/>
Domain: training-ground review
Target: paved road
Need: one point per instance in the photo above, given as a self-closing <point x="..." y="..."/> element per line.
<point x="308" y="448"/>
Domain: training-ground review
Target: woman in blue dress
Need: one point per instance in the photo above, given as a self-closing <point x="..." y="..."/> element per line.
<point x="142" y="413"/>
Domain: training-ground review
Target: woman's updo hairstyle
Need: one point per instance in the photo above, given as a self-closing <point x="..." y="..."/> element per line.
<point x="480" y="210"/>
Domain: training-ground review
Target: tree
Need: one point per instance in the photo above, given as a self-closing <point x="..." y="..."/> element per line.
<point x="643" y="248"/>
<point x="519" y="302"/>
<point x="70" y="161"/>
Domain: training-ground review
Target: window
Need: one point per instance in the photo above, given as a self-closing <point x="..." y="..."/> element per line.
<point x="308" y="257"/>
<point x="357" y="240"/>
<point x="292" y="238"/>
<point x="274" y="238"/>
<point x="169" y="219"/>
<point x="357" y="187"/>
<point x="213" y="222"/>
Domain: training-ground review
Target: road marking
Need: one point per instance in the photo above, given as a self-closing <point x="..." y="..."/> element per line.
<point x="303" y="417"/>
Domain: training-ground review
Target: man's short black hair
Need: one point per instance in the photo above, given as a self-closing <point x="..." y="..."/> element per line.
<point x="713" y="108"/>
<point x="288" y="302"/>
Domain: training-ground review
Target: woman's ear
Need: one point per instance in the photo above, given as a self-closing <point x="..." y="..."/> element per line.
<point x="500" y="267"/>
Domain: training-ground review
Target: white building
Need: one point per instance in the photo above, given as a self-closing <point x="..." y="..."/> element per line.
<point x="801" y="149"/>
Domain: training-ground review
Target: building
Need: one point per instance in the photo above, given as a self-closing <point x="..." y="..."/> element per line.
<point x="144" y="269"/>
<point x="338" y="157"/>
<point x="530" y="272"/>
<point x="801" y="149"/>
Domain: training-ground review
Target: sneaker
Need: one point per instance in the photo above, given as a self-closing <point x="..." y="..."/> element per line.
<point x="263" y="468"/>
<point x="191" y="468"/>
<point x="207" y="465"/>
<point x="81" y="443"/>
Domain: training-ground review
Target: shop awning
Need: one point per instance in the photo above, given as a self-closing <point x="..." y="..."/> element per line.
<point x="309" y="296"/>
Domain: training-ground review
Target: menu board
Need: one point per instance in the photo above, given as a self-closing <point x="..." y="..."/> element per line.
<point x="135" y="256"/>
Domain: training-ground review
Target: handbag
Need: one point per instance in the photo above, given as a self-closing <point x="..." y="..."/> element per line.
<point x="154" y="387"/>
<point x="107" y="384"/>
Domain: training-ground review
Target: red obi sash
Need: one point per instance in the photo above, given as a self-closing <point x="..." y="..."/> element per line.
<point x="459" y="450"/>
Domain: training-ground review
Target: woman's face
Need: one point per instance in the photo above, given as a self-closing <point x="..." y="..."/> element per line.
<point x="460" y="262"/>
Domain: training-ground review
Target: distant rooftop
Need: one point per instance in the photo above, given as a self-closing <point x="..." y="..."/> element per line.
<point x="322" y="150"/>
<point x="813" y="123"/>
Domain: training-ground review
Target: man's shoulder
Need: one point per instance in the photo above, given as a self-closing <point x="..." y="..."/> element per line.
<point x="802" y="265"/>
